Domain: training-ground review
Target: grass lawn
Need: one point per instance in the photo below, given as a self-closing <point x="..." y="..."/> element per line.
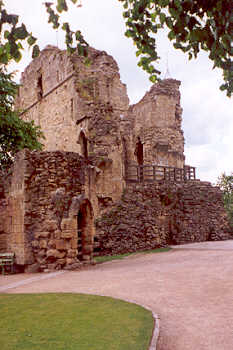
<point x="100" y="259"/>
<point x="72" y="321"/>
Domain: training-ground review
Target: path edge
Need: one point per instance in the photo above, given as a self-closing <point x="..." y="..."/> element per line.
<point x="155" y="333"/>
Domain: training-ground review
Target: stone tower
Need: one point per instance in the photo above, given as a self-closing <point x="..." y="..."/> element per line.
<point x="156" y="127"/>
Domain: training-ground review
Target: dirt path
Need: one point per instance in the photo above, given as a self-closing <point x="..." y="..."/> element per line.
<point x="190" y="289"/>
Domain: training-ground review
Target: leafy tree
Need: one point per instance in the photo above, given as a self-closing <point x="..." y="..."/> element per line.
<point x="193" y="26"/>
<point x="15" y="134"/>
<point x="225" y="182"/>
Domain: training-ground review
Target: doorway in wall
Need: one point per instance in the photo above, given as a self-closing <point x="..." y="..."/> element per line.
<point x="139" y="156"/>
<point x="85" y="224"/>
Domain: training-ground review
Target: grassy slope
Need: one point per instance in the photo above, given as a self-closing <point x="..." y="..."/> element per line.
<point x="72" y="321"/>
<point x="100" y="259"/>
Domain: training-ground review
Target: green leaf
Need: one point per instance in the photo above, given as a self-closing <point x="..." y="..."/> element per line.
<point x="20" y="33"/>
<point x="31" y="40"/>
<point x="171" y="35"/>
<point x="35" y="51"/>
<point x="61" y="6"/>
<point x="6" y="34"/>
<point x="162" y="17"/>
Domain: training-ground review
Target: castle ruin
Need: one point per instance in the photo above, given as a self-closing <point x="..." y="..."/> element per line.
<point x="111" y="178"/>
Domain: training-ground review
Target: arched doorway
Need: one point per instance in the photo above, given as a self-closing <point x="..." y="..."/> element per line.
<point x="85" y="225"/>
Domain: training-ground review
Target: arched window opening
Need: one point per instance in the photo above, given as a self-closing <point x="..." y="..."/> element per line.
<point x="83" y="144"/>
<point x="139" y="155"/>
<point x="39" y="87"/>
<point x="139" y="151"/>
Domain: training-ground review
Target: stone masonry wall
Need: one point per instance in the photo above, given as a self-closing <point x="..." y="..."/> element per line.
<point x="155" y="215"/>
<point x="40" y="209"/>
<point x="157" y="121"/>
<point x="53" y="182"/>
<point x="4" y="209"/>
<point x="76" y="103"/>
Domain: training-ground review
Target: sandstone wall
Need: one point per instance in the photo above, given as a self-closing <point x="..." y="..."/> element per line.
<point x="12" y="209"/>
<point x="157" y="121"/>
<point x="40" y="210"/>
<point x="155" y="215"/>
<point x="78" y="107"/>
<point x="4" y="215"/>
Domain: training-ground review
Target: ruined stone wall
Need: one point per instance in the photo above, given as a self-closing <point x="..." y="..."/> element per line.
<point x="12" y="209"/>
<point x="157" y="121"/>
<point x="78" y="107"/>
<point x="47" y="96"/>
<point x="39" y="211"/>
<point x="155" y="215"/>
<point x="5" y="222"/>
<point x="53" y="181"/>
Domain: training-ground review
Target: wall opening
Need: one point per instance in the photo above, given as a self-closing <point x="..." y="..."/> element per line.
<point x="40" y="87"/>
<point x="85" y="224"/>
<point x="83" y="144"/>
<point x="139" y="156"/>
<point x="139" y="151"/>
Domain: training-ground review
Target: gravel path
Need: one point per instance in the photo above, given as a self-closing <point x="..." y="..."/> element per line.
<point x="190" y="288"/>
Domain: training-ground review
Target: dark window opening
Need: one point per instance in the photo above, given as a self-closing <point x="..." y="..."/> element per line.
<point x="40" y="87"/>
<point x="139" y="151"/>
<point x="83" y="143"/>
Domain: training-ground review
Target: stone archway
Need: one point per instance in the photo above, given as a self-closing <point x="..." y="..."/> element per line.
<point x="85" y="231"/>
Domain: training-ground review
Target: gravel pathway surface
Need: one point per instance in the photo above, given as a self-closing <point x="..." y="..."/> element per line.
<point x="190" y="288"/>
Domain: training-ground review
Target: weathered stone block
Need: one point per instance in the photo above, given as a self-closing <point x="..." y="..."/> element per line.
<point x="43" y="244"/>
<point x="41" y="235"/>
<point x="52" y="244"/>
<point x="67" y="234"/>
<point x="52" y="253"/>
<point x="70" y="261"/>
<point x="60" y="244"/>
<point x="71" y="253"/>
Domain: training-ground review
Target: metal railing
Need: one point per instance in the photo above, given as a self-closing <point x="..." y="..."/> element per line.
<point x="153" y="173"/>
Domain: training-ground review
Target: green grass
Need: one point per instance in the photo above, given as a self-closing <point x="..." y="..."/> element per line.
<point x="72" y="321"/>
<point x="100" y="259"/>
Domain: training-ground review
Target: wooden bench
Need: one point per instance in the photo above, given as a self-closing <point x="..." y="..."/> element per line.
<point x="7" y="262"/>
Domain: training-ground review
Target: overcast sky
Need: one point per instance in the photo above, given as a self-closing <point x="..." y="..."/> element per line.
<point x="207" y="112"/>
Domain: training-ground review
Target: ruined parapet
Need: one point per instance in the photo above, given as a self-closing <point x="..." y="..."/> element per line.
<point x="157" y="123"/>
<point x="156" y="215"/>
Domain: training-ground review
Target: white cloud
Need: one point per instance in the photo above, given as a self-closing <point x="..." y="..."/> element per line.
<point x="207" y="115"/>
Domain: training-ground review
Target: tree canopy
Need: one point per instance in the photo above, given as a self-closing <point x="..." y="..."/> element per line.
<point x="15" y="134"/>
<point x="193" y="26"/>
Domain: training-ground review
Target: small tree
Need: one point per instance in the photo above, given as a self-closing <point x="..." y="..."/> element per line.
<point x="15" y="134"/>
<point x="225" y="182"/>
